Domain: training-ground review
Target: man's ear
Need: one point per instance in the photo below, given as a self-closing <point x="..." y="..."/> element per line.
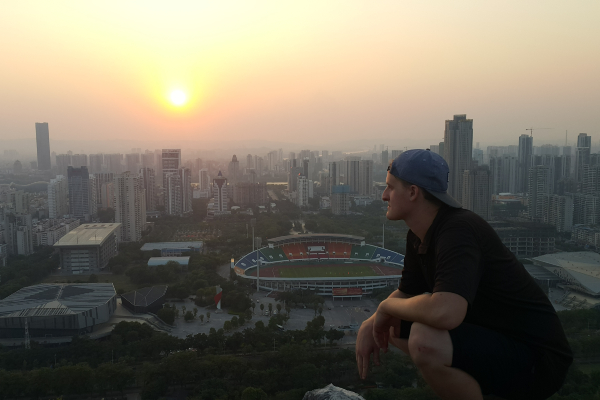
<point x="414" y="192"/>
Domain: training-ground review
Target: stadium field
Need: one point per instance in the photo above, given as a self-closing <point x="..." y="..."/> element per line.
<point x="329" y="270"/>
<point x="326" y="271"/>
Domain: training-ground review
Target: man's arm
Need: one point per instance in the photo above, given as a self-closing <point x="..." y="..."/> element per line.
<point x="441" y="310"/>
<point x="365" y="341"/>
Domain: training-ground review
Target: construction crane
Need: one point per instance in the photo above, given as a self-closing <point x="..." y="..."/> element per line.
<point x="534" y="129"/>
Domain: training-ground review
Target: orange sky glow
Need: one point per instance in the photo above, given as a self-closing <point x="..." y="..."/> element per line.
<point x="299" y="72"/>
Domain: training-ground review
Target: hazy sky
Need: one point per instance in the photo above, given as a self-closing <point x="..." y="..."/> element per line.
<point x="305" y="72"/>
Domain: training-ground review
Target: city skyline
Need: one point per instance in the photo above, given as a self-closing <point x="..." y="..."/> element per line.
<point x="271" y="74"/>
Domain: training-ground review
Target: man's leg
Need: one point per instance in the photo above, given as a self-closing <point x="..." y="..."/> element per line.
<point x="431" y="351"/>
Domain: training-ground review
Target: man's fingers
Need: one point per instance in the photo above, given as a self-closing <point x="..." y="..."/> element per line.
<point x="376" y="357"/>
<point x="359" y="364"/>
<point x="365" y="367"/>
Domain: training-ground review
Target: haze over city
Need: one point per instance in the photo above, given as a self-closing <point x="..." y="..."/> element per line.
<point x="292" y="75"/>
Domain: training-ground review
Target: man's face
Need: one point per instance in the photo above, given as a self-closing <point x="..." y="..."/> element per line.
<point x="398" y="198"/>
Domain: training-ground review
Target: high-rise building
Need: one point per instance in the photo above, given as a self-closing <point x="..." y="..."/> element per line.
<point x="63" y="161"/>
<point x="79" y="160"/>
<point x="130" y="205"/>
<point x="249" y="161"/>
<point x="204" y="179"/>
<point x="113" y="163"/>
<point x="304" y="192"/>
<point x="101" y="179"/>
<point x="352" y="176"/>
<point x="234" y="169"/>
<point x="219" y="204"/>
<point x="132" y="162"/>
<point x="525" y="162"/>
<point x="558" y="211"/>
<point x="582" y="155"/>
<point x="107" y="195"/>
<point x="365" y="177"/>
<point x="340" y="200"/>
<point x="250" y="194"/>
<point x="170" y="163"/>
<point x="458" y="148"/>
<point x="82" y="202"/>
<point x="333" y="177"/>
<point x="42" y="139"/>
<point x="396" y="153"/>
<point x="504" y="174"/>
<point x="148" y="179"/>
<point x="477" y="191"/>
<point x="178" y="192"/>
<point x="58" y="197"/>
<point x="539" y="186"/>
<point x="96" y="161"/>
<point x="385" y="158"/>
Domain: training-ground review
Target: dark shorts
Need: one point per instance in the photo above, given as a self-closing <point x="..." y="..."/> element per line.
<point x="502" y="366"/>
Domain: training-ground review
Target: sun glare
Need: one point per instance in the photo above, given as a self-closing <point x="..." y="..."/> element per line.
<point x="178" y="98"/>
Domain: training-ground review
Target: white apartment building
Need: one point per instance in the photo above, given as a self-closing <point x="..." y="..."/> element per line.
<point x="130" y="206"/>
<point x="58" y="196"/>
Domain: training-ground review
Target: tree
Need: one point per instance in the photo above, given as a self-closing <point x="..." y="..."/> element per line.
<point x="316" y="306"/>
<point x="253" y="307"/>
<point x="195" y="312"/>
<point x="334" y="334"/>
<point x="251" y="393"/>
<point x="241" y="320"/>
<point x="227" y="326"/>
<point x="183" y="309"/>
<point x="248" y="315"/>
<point x="201" y="317"/>
<point x="234" y="322"/>
<point x="287" y="310"/>
<point x="188" y="316"/>
<point x="278" y="308"/>
<point x="93" y="278"/>
<point x="270" y="309"/>
<point x="262" y="308"/>
<point x="208" y="316"/>
<point x="167" y="315"/>
<point x="320" y="310"/>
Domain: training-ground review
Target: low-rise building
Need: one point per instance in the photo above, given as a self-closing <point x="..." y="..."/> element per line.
<point x="87" y="248"/>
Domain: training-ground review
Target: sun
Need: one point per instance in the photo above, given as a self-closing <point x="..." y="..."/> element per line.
<point x="178" y="98"/>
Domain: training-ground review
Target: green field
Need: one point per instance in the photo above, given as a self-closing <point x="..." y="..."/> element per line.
<point x="347" y="270"/>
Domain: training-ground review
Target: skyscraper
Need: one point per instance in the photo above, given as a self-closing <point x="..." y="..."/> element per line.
<point x="458" y="150"/>
<point x="365" y="177"/>
<point x="219" y="202"/>
<point x="234" y="169"/>
<point x="539" y="186"/>
<point x="148" y="179"/>
<point x="178" y="192"/>
<point x="504" y="174"/>
<point x="130" y="205"/>
<point x="42" y="139"/>
<point x="96" y="161"/>
<point x="352" y="176"/>
<point x="80" y="194"/>
<point x="57" y="197"/>
<point x="204" y="179"/>
<point x="525" y="162"/>
<point x="477" y="191"/>
<point x="582" y="155"/>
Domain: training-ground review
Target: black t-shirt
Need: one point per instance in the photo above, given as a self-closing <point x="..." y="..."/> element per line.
<point x="462" y="254"/>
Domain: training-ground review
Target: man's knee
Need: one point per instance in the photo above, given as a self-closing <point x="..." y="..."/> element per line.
<point x="429" y="347"/>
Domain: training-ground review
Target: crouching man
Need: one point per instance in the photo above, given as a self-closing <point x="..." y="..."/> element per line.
<point x="468" y="314"/>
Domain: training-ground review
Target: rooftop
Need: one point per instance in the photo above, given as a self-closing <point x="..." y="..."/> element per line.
<point x="582" y="266"/>
<point x="171" y="245"/>
<point x="56" y="299"/>
<point x="156" y="261"/>
<point x="145" y="296"/>
<point x="88" y="235"/>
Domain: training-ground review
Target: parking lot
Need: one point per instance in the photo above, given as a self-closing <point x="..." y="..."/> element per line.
<point x="336" y="313"/>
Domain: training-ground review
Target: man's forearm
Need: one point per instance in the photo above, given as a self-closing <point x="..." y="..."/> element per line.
<point x="438" y="311"/>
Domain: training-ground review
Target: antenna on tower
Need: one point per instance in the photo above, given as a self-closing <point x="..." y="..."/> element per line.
<point x="566" y="134"/>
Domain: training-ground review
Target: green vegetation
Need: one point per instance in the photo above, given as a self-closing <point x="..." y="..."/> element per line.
<point x="347" y="270"/>
<point x="23" y="271"/>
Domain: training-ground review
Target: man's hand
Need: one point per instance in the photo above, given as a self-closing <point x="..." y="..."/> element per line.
<point x="365" y="346"/>
<point x="381" y="327"/>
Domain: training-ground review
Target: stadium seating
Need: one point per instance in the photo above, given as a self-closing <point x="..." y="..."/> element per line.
<point x="273" y="255"/>
<point x="295" y="251"/>
<point x="399" y="259"/>
<point x="386" y="254"/>
<point x="339" y="250"/>
<point x="363" y="252"/>
<point x="247" y="261"/>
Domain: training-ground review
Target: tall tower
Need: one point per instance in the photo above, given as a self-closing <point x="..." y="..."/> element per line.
<point x="234" y="169"/>
<point x="582" y="155"/>
<point x="525" y="161"/>
<point x="130" y="205"/>
<point x="365" y="177"/>
<point x="57" y="197"/>
<point x="458" y="149"/>
<point x="148" y="178"/>
<point x="170" y="163"/>
<point x="79" y="193"/>
<point x="42" y="139"/>
<point x="220" y="193"/>
<point x="352" y="178"/>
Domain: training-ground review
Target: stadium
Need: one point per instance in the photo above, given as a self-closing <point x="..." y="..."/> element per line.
<point x="341" y="266"/>
<point x="56" y="310"/>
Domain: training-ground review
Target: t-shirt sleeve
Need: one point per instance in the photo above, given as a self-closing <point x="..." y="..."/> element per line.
<point x="412" y="281"/>
<point x="458" y="256"/>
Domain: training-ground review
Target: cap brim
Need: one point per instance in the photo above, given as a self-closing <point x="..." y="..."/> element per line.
<point x="445" y="198"/>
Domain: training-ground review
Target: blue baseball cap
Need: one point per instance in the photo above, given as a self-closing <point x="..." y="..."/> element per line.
<point x="426" y="170"/>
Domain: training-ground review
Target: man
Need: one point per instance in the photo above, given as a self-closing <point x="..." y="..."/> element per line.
<point x="467" y="312"/>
